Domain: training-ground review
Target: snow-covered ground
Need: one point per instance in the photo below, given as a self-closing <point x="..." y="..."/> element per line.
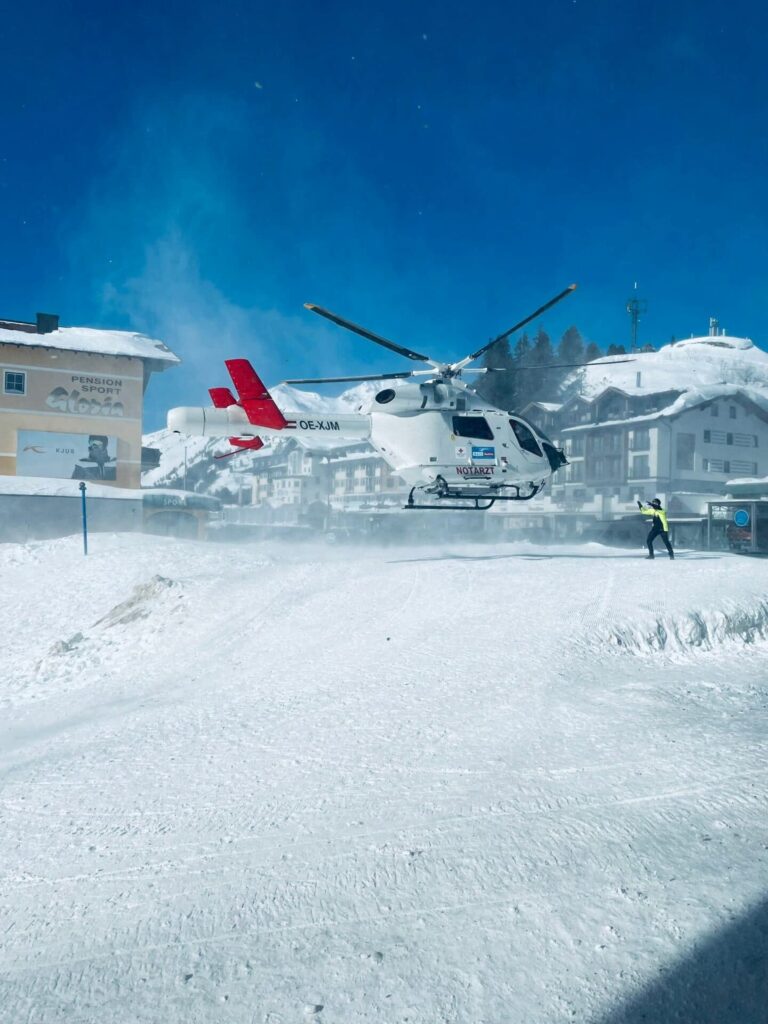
<point x="492" y="785"/>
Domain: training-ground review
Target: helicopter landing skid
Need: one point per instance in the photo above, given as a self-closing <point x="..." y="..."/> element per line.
<point x="443" y="492"/>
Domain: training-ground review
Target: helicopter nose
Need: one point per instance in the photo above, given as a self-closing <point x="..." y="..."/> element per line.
<point x="555" y="456"/>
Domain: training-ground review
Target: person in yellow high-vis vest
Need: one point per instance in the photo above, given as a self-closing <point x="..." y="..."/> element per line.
<point x="660" y="527"/>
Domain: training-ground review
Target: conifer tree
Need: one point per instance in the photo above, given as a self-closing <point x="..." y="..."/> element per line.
<point x="592" y="352"/>
<point x="519" y="386"/>
<point x="522" y="350"/>
<point x="496" y="387"/>
<point x="571" y="347"/>
<point x="541" y="381"/>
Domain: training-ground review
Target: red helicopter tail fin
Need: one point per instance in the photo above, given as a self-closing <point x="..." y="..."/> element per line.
<point x="258" y="404"/>
<point x="222" y="398"/>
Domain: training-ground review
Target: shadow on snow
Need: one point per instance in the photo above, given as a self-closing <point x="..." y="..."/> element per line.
<point x="724" y="980"/>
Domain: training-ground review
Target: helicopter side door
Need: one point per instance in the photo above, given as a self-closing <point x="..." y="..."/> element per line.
<point x="475" y="454"/>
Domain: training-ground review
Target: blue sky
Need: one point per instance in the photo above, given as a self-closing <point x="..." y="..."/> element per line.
<point x="432" y="170"/>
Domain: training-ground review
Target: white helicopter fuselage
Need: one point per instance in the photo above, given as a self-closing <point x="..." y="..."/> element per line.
<point x="437" y="430"/>
<point x="439" y="435"/>
<point x="419" y="449"/>
<point x="425" y="432"/>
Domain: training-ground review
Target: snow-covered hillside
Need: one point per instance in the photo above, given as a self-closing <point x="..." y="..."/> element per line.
<point x="248" y="784"/>
<point x="193" y="457"/>
<point x="695" y="363"/>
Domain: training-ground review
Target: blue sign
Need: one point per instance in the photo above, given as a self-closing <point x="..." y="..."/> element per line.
<point x="483" y="453"/>
<point x="741" y="517"/>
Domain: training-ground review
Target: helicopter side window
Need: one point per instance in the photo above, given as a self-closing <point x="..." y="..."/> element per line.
<point x="525" y="437"/>
<point x="472" y="426"/>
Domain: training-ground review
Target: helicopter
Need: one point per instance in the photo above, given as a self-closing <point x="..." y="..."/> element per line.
<point x="439" y="435"/>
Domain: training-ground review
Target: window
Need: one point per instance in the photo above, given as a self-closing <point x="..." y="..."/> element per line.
<point x="15" y="383"/>
<point x="575" y="446"/>
<point x="472" y="426"/>
<point x="606" y="443"/>
<point x="613" y="410"/>
<point x="732" y="411"/>
<point x="641" y="440"/>
<point x="605" y="468"/>
<point x="715" y="437"/>
<point x="715" y="410"/>
<point x="575" y="472"/>
<point x="640" y="468"/>
<point x="745" y="440"/>
<point x="685" y="446"/>
<point x="525" y="437"/>
<point x="744" y="468"/>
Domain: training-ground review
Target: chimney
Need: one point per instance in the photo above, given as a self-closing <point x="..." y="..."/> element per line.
<point x="638" y="381"/>
<point x="713" y="326"/>
<point x="47" y="323"/>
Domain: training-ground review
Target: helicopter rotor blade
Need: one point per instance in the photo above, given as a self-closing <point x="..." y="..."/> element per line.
<point x="547" y="305"/>
<point x="345" y="380"/>
<point x="407" y="352"/>
<point x="545" y="366"/>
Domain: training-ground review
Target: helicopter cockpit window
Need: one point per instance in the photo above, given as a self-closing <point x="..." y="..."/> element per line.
<point x="472" y="426"/>
<point x="525" y="437"/>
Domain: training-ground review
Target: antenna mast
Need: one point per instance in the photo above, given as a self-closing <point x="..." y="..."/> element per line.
<point x="635" y="307"/>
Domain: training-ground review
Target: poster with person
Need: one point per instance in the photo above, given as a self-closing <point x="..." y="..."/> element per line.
<point x="66" y="456"/>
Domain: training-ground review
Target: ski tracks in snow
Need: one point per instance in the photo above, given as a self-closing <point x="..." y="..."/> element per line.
<point x="389" y="788"/>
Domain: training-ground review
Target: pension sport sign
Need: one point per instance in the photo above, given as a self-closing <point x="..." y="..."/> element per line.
<point x="88" y="396"/>
<point x="100" y="396"/>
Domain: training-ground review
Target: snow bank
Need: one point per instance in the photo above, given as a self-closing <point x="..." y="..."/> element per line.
<point x="691" y="631"/>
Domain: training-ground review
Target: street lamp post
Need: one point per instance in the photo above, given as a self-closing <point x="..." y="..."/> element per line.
<point x="85" y="518"/>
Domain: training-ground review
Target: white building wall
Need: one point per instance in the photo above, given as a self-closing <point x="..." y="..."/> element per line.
<point x="724" y="446"/>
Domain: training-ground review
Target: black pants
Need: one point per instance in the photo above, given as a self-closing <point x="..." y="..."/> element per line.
<point x="656" y="531"/>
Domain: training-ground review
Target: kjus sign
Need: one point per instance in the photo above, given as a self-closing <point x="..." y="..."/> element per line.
<point x="66" y="456"/>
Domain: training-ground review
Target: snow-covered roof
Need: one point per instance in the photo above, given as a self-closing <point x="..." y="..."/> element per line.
<point x="680" y="365"/>
<point x="688" y="400"/>
<point x="64" y="488"/>
<point x="90" y="339"/>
